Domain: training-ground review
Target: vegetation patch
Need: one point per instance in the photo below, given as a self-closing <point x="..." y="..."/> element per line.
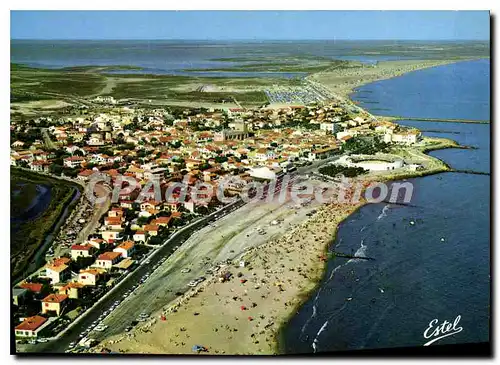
<point x="28" y="236"/>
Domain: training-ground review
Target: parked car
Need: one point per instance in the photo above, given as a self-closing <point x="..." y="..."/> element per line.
<point x="185" y="270"/>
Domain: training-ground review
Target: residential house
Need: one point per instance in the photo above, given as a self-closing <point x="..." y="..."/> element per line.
<point x="126" y="249"/>
<point x="54" y="303"/>
<point x="58" y="270"/>
<point x="107" y="260"/>
<point x="90" y="276"/>
<point x="403" y="137"/>
<point x="151" y="229"/>
<point x="72" y="290"/>
<point x="85" y="174"/>
<point x="113" y="235"/>
<point x="19" y="296"/>
<point x="322" y="153"/>
<point x="161" y="221"/>
<point x="82" y="251"/>
<point x="98" y="243"/>
<point x="115" y="212"/>
<point x="35" y="288"/>
<point x="151" y="204"/>
<point x="73" y="161"/>
<point x="17" y="144"/>
<point x="39" y="166"/>
<point x="140" y="236"/>
<point x="31" y="326"/>
<point x="113" y="223"/>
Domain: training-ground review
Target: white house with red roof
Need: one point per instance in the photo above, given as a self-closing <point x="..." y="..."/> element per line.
<point x="126" y="249"/>
<point x="31" y="326"/>
<point x="82" y="251"/>
<point x="107" y="260"/>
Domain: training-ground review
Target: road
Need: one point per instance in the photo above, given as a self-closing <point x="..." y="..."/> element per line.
<point x="46" y="139"/>
<point x="155" y="289"/>
<point x="102" y="208"/>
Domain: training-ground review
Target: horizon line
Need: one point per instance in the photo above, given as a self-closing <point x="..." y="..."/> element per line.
<point x="250" y="39"/>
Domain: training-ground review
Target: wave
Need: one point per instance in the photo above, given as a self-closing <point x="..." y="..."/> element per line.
<point x="312" y="315"/>
<point x="361" y="251"/>
<point x="314" y="307"/>
<point x="383" y="214"/>
<point x="323" y="327"/>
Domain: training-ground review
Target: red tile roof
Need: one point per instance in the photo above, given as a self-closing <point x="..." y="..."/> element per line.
<point x="55" y="298"/>
<point x="60" y="261"/>
<point x="86" y="173"/>
<point x="33" y="287"/>
<point x="161" y="220"/>
<point x="127" y="245"/>
<point x="108" y="256"/>
<point x="31" y="323"/>
<point x="151" y="228"/>
<point x="80" y="247"/>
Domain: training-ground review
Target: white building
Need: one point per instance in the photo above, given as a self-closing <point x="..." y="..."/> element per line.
<point x="264" y="172"/>
<point x="328" y="127"/>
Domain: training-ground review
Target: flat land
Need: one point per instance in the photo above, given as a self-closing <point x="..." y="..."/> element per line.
<point x="342" y="81"/>
<point x="36" y="90"/>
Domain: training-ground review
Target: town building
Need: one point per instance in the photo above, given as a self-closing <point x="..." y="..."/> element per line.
<point x="82" y="251"/>
<point x="126" y="249"/>
<point x="90" y="276"/>
<point x="54" y="303"/>
<point x="31" y="326"/>
<point x="107" y="260"/>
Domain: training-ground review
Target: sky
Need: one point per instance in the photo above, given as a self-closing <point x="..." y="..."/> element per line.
<point x="247" y="25"/>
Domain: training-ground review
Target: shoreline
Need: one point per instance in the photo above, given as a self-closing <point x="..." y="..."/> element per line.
<point x="150" y="338"/>
<point x="389" y="179"/>
<point x="394" y="69"/>
<point x="301" y="295"/>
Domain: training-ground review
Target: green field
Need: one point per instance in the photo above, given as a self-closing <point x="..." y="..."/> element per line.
<point x="42" y="89"/>
<point x="31" y="84"/>
<point x="288" y="65"/>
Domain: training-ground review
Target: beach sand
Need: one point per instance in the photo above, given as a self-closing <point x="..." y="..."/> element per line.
<point x="343" y="81"/>
<point x="243" y="315"/>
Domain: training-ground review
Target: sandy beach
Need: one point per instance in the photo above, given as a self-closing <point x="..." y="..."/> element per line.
<point x="244" y="315"/>
<point x="343" y="81"/>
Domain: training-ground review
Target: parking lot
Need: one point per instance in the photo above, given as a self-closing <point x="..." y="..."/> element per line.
<point x="305" y="94"/>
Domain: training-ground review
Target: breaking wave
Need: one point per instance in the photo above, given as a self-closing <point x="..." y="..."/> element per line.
<point x="383" y="214"/>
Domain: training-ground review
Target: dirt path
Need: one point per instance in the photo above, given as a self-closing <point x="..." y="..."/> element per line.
<point x="108" y="87"/>
<point x="99" y="211"/>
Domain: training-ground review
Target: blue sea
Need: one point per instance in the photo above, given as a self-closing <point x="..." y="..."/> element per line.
<point x="436" y="268"/>
<point x="457" y="91"/>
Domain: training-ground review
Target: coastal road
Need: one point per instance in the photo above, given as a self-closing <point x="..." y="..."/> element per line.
<point x="100" y="210"/>
<point x="61" y="344"/>
<point x="46" y="139"/>
<point x="227" y="239"/>
<point x="154" y="288"/>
